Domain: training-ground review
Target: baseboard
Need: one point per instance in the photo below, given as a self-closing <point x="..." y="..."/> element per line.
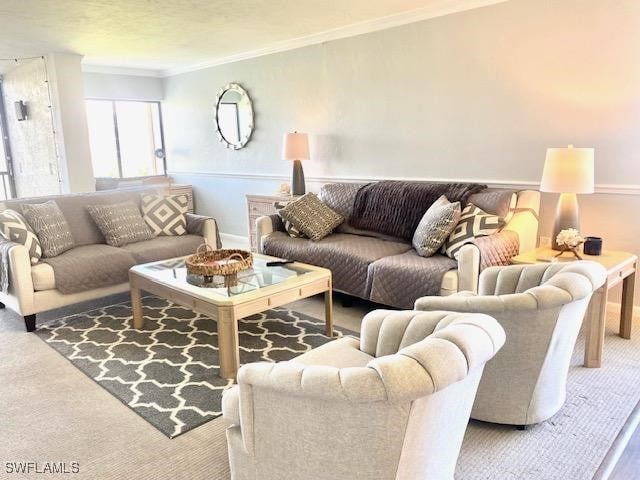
<point x="229" y="240"/>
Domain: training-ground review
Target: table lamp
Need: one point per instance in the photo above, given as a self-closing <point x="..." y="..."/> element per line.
<point x="567" y="171"/>
<point x="296" y="148"/>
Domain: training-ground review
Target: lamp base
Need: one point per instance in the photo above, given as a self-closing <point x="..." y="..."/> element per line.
<point x="297" y="179"/>
<point x="567" y="216"/>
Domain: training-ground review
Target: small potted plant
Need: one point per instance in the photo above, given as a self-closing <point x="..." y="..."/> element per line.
<point x="570" y="240"/>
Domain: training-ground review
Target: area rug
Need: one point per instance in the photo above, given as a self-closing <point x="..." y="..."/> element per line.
<point x="572" y="444"/>
<point x="168" y="372"/>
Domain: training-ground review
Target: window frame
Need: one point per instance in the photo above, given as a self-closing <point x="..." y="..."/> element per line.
<point x="7" y="179"/>
<point x="117" y="137"/>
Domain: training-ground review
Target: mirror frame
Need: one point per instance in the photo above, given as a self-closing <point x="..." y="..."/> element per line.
<point x="236" y="87"/>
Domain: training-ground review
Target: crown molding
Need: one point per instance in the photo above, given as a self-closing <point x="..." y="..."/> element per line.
<point x="435" y="9"/>
<point x="130" y="71"/>
<point x="611" y="189"/>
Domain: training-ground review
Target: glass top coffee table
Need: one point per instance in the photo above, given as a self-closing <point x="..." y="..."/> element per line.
<point x="258" y="289"/>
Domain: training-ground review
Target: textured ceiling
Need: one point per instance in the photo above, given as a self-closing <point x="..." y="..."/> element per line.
<point x="170" y="34"/>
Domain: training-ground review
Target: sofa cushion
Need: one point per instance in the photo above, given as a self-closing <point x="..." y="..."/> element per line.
<point x="165" y="215"/>
<point x="165" y="247"/>
<point x="14" y="227"/>
<point x="74" y="209"/>
<point x="342" y="353"/>
<point x="120" y="223"/>
<point x="43" y="277"/>
<point x="50" y="226"/>
<point x="347" y="256"/>
<point x="90" y="266"/>
<point x="339" y="197"/>
<point x="498" y="201"/>
<point x="400" y="279"/>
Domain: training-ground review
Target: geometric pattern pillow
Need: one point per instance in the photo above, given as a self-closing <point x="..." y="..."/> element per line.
<point x="50" y="226"/>
<point x="290" y="229"/>
<point x="166" y="215"/>
<point x="473" y="223"/>
<point x="120" y="223"/>
<point x="312" y="217"/>
<point x="436" y="226"/>
<point x="14" y="227"/>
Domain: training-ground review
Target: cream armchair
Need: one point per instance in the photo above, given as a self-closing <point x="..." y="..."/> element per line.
<point x="394" y="405"/>
<point x="541" y="308"/>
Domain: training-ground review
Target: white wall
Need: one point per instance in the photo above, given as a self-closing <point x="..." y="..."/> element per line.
<point x="72" y="134"/>
<point x="122" y="87"/>
<point x="32" y="141"/>
<point x="477" y="95"/>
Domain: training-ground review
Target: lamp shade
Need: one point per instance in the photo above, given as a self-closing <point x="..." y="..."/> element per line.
<point x="295" y="146"/>
<point x="568" y="170"/>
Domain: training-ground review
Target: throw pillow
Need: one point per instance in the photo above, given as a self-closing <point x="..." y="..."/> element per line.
<point x="50" y="226"/>
<point x="473" y="223"/>
<point x="120" y="223"/>
<point x="14" y="227"/>
<point x="166" y="215"/>
<point x="312" y="217"/>
<point x="290" y="228"/>
<point x="436" y="226"/>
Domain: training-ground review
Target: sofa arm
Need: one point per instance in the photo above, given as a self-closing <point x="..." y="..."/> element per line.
<point x="231" y="406"/>
<point x="205" y="226"/>
<point x="266" y="225"/>
<point x="468" y="268"/>
<point x="20" y="294"/>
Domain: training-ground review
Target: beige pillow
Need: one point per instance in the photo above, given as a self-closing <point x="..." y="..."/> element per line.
<point x="311" y="217"/>
<point x="436" y="226"/>
<point x="120" y="223"/>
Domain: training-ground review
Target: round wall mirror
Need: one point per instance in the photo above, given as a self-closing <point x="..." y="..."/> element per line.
<point x="234" y="116"/>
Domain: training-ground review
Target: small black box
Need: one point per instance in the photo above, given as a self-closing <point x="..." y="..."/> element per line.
<point x="593" y="246"/>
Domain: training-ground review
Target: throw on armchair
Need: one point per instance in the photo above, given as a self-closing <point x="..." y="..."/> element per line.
<point x="394" y="405"/>
<point x="541" y="308"/>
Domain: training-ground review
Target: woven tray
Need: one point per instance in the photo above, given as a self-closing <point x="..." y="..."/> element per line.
<point x="209" y="262"/>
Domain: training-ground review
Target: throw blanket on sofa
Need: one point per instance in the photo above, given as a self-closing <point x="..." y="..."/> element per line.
<point x="395" y="208"/>
<point x="5" y="246"/>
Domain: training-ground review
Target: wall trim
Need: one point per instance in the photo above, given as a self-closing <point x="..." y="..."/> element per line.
<point x="613" y="189"/>
<point x="435" y="9"/>
<point x="114" y="70"/>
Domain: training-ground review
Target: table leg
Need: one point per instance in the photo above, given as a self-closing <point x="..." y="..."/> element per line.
<point x="136" y="306"/>
<point x="228" y="344"/>
<point x="595" y="326"/>
<point x="626" y="313"/>
<point x="328" y="312"/>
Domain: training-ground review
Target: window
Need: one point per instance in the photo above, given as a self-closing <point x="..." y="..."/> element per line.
<point x="126" y="138"/>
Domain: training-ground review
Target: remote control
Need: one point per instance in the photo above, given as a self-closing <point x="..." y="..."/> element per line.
<point x="279" y="263"/>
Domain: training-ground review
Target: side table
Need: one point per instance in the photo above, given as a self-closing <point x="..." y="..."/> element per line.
<point x="621" y="267"/>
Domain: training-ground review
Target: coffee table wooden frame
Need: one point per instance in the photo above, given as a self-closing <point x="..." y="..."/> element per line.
<point x="226" y="311"/>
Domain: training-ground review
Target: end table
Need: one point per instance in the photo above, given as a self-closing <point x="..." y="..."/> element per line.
<point x="621" y="267"/>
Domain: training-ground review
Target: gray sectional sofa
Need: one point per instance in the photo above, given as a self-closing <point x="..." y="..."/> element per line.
<point x="99" y="269"/>
<point x="372" y="266"/>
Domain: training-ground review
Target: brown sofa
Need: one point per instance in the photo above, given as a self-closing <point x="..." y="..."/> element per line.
<point x="99" y="269"/>
<point x="389" y="271"/>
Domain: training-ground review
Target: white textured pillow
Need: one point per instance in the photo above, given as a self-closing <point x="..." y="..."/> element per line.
<point x="436" y="226"/>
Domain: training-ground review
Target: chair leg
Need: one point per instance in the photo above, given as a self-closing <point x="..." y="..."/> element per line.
<point x="30" y="322"/>
<point x="521" y="427"/>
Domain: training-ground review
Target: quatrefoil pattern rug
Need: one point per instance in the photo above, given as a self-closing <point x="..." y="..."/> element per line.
<point x="168" y="372"/>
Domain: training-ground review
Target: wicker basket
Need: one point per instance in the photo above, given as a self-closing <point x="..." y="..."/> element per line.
<point x="226" y="262"/>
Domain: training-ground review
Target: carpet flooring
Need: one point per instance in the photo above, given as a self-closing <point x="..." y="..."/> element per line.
<point x="168" y="372"/>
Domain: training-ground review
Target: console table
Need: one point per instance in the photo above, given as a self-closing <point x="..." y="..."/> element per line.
<point x="621" y="268"/>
